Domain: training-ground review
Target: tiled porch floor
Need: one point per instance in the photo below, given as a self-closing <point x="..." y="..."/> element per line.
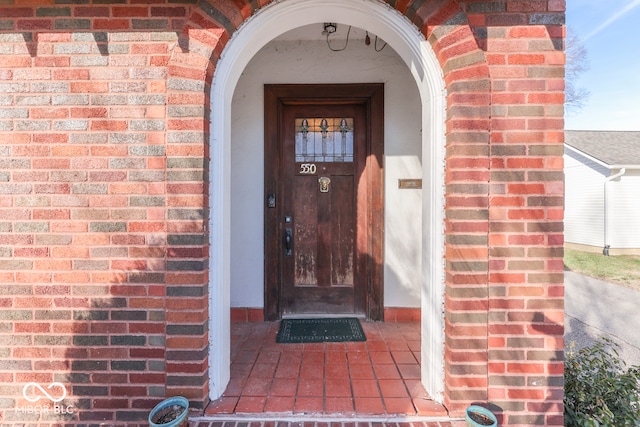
<point x="378" y="377"/>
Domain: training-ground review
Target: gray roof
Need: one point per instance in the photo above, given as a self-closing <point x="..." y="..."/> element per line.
<point x="610" y="147"/>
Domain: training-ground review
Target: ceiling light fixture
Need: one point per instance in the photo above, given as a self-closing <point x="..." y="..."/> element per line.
<point x="329" y="28"/>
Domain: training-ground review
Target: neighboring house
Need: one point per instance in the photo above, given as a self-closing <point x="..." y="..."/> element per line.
<point x="150" y="162"/>
<point x="602" y="184"/>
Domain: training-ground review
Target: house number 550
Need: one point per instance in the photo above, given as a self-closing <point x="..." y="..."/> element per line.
<point x="308" y="169"/>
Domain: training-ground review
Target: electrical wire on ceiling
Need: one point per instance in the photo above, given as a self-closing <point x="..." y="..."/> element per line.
<point x="367" y="41"/>
<point x="330" y="28"/>
<point x="329" y="32"/>
<point x="375" y="45"/>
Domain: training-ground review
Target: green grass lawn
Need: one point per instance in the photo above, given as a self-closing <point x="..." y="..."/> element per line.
<point x="622" y="269"/>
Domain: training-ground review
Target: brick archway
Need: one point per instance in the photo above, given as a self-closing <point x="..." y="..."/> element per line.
<point x="463" y="69"/>
<point x="111" y="273"/>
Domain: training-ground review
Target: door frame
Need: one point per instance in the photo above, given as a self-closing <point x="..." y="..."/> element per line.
<point x="371" y="96"/>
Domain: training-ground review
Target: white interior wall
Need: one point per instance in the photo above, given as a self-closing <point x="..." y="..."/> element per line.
<point x="296" y="58"/>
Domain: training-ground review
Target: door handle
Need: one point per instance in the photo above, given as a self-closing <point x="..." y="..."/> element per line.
<point x="288" y="237"/>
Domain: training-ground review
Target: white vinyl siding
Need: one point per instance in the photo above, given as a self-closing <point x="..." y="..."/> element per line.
<point x="625" y="211"/>
<point x="584" y="200"/>
<point x="585" y="204"/>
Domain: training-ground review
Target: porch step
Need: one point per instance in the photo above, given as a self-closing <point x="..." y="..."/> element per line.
<point x="313" y="420"/>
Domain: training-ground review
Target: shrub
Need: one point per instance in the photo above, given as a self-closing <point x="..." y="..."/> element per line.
<point x="599" y="390"/>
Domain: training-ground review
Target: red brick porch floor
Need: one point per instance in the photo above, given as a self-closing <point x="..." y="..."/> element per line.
<point x="283" y="384"/>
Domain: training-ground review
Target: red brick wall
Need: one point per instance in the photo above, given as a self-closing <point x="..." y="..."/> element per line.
<point x="103" y="247"/>
<point x="526" y="294"/>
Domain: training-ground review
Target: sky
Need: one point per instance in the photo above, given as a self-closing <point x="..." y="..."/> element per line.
<point x="610" y="32"/>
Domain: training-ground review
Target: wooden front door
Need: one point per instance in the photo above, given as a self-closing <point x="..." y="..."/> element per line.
<point x="321" y="171"/>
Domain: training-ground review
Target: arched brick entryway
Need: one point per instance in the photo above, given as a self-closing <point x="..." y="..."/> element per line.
<point x="462" y="68"/>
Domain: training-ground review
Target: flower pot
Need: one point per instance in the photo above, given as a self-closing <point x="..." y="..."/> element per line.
<point x="477" y="416"/>
<point x="171" y="412"/>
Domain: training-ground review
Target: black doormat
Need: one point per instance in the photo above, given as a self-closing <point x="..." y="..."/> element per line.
<point x="320" y="330"/>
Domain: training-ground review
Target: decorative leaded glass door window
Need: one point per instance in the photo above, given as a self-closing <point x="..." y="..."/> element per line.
<point x="324" y="140"/>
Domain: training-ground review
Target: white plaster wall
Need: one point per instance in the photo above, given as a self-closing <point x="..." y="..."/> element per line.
<point x="291" y="59"/>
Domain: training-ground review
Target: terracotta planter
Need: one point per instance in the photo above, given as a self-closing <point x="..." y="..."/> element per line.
<point x="477" y="416"/>
<point x="171" y="412"/>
